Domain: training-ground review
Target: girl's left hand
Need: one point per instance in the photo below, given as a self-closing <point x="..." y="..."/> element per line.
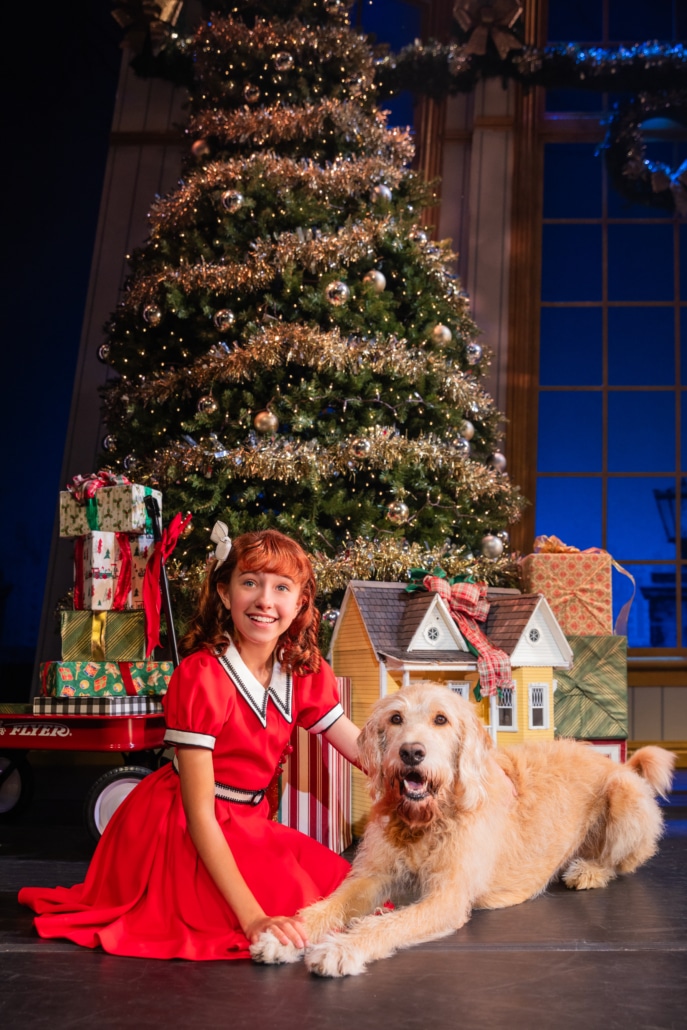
<point x="287" y="930"/>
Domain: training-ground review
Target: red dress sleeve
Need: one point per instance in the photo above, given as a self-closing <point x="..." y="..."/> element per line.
<point x="317" y="700"/>
<point x="198" y="702"/>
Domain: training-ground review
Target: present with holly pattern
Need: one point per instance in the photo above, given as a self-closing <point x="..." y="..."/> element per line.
<point x="590" y="700"/>
<point x="110" y="509"/>
<point x="109" y="569"/>
<point x="103" y="636"/>
<point x="105" y="679"/>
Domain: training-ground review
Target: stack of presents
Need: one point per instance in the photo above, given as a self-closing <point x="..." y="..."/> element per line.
<point x="107" y="666"/>
<point x="105" y="669"/>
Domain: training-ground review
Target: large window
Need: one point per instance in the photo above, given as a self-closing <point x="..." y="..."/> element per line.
<point x="612" y="417"/>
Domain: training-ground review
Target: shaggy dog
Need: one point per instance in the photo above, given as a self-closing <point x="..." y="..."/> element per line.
<point x="458" y="824"/>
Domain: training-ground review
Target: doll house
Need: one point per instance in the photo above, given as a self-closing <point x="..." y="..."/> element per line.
<point x="386" y="636"/>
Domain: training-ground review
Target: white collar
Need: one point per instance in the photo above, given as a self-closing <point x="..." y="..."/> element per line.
<point x="252" y="690"/>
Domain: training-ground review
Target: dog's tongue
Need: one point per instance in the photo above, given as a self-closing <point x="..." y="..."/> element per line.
<point x="414" y="787"/>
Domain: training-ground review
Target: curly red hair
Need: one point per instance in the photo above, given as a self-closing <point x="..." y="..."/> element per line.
<point x="265" y="550"/>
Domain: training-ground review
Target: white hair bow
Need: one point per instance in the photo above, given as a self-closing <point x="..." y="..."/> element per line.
<point x="220" y="537"/>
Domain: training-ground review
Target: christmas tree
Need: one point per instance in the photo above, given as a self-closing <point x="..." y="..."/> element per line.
<point x="293" y="350"/>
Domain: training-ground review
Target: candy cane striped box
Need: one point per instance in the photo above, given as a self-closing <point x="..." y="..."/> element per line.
<point x="316" y="786"/>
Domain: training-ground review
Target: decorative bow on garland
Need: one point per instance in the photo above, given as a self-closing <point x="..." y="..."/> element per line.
<point x="152" y="593"/>
<point x="468" y="605"/>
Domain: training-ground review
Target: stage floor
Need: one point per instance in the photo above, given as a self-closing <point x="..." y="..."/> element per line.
<point x="614" y="958"/>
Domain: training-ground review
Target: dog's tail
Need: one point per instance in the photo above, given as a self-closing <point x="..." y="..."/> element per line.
<point x="656" y="765"/>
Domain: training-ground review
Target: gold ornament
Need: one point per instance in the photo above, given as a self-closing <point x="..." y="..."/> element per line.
<point x="266" y="422"/>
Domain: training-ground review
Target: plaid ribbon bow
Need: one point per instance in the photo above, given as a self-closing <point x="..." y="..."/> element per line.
<point x="468" y="605"/>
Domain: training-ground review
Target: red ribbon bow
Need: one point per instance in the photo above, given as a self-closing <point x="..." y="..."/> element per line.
<point x="84" y="487"/>
<point x="468" y="605"/>
<point x="152" y="594"/>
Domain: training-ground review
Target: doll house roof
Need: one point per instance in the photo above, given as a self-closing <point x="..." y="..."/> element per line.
<point x="416" y="627"/>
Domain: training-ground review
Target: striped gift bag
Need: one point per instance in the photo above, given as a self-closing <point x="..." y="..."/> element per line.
<point x="316" y="786"/>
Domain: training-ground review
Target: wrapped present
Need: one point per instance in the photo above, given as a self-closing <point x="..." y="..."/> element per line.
<point x="103" y="636"/>
<point x="590" y="702"/>
<point x="112" y="509"/>
<point x="109" y="569"/>
<point x="105" y="679"/>
<point x="96" y="706"/>
<point x="316" y="797"/>
<point x="577" y="585"/>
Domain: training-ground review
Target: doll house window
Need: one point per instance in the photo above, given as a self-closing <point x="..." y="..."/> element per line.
<point x="460" y="687"/>
<point x="538" y="706"/>
<point x="534" y="636"/>
<point x="506" y="713"/>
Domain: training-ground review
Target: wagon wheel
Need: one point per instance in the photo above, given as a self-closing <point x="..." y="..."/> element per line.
<point x="107" y="794"/>
<point x="16" y="785"/>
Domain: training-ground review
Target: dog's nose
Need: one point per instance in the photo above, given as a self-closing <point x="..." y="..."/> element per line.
<point x="412" y="754"/>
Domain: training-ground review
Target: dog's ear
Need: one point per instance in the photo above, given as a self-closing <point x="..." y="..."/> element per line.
<point x="472" y="759"/>
<point x="370" y="747"/>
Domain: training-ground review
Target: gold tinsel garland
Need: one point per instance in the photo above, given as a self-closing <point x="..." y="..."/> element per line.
<point x="286" y="460"/>
<point x="342" y="178"/>
<point x="281" y="123"/>
<point x="277" y="345"/>
<point x="387" y="560"/>
<point x="318" y="254"/>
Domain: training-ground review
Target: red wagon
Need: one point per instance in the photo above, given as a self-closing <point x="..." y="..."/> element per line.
<point x="137" y="738"/>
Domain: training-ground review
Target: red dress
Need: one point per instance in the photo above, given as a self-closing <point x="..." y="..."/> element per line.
<point x="146" y="892"/>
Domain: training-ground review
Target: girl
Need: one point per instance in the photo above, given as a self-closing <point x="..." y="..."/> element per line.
<point x="190" y="865"/>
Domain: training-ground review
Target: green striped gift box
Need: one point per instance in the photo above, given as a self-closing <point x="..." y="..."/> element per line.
<point x="103" y="636"/>
<point x="590" y="701"/>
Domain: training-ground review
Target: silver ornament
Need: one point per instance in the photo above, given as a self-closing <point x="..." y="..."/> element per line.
<point x="467" y="429"/>
<point x="398" y="512"/>
<point x="152" y="314"/>
<point x="442" y="334"/>
<point x="207" y="405"/>
<point x="361" y="447"/>
<point x="104" y="352"/>
<point x="462" y="445"/>
<point x="473" y="352"/>
<point x="200" y="149"/>
<point x="110" y="442"/>
<point x="381" y="194"/>
<point x="377" y="279"/>
<point x="266" y="422"/>
<point x="232" y="200"/>
<point x="251" y="93"/>
<point x="491" y="546"/>
<point x="337" y="293"/>
<point x="283" y="61"/>
<point x="330" y="616"/>
<point x="130" y="462"/>
<point x="498" y="461"/>
<point x="504" y="537"/>
<point x="224" y="319"/>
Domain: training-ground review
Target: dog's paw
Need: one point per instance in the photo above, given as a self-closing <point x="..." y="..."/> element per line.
<point x="271" y="952"/>
<point x="584" y="876"/>
<point x="335" y="955"/>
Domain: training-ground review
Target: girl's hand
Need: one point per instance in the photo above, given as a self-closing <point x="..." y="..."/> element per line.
<point x="287" y="930"/>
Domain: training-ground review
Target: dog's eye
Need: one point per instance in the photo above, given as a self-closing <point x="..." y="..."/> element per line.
<point x="440" y="720"/>
<point x="396" y="719"/>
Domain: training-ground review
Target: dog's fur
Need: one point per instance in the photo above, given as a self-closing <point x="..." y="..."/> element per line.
<point x="458" y="824"/>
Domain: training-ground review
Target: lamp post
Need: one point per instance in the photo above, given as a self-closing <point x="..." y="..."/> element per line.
<point x="671" y="515"/>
